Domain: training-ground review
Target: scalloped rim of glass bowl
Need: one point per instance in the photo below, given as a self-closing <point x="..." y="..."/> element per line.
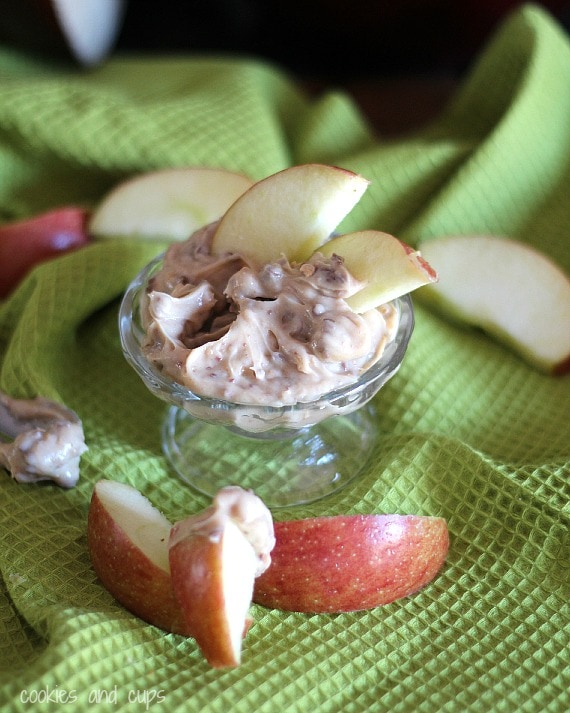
<point x="253" y="419"/>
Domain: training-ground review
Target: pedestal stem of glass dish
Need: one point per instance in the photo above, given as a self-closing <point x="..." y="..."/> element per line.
<point x="287" y="471"/>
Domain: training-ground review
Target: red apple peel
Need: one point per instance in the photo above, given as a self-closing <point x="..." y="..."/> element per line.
<point x="350" y="563"/>
<point x="26" y="243"/>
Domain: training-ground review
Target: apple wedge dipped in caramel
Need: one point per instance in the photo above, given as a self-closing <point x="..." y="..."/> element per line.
<point x="198" y="577"/>
<point x="215" y="557"/>
<point x="170" y="203"/>
<point x="345" y="563"/>
<point x="386" y="267"/>
<point x="507" y="288"/>
<point x="291" y="213"/>
<point x="294" y="212"/>
<point x="194" y="578"/>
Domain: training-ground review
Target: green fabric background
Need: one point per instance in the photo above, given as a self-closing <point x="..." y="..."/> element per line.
<point x="468" y="431"/>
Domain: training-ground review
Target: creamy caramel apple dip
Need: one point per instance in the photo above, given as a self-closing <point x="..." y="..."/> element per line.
<point x="246" y="510"/>
<point x="277" y="334"/>
<point x="45" y="441"/>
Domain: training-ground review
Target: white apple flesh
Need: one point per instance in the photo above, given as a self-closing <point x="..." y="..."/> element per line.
<point x="167" y="204"/>
<point x="128" y="545"/>
<point x="507" y="288"/>
<point x="289" y="213"/>
<point x="387" y="267"/>
<point x="349" y="563"/>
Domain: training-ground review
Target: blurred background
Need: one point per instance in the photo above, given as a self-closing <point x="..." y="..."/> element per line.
<point x="327" y="38"/>
<point x="400" y="59"/>
<point x="335" y="39"/>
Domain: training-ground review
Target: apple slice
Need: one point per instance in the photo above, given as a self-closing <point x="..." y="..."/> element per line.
<point x="507" y="288"/>
<point x="89" y="28"/>
<point x="213" y="579"/>
<point x="171" y="203"/>
<point x="25" y="243"/>
<point x="351" y="562"/>
<point x="386" y="266"/>
<point x="214" y="555"/>
<point x="85" y="31"/>
<point x="289" y="213"/>
<point x="214" y="559"/>
<point x="128" y="545"/>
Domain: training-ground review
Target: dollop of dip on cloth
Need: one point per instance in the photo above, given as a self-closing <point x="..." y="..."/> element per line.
<point x="45" y="441"/>
<point x="277" y="334"/>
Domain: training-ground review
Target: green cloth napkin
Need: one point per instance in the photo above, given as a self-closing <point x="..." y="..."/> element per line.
<point x="468" y="431"/>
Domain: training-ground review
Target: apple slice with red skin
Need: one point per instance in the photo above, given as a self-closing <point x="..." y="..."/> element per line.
<point x="198" y="577"/>
<point x="291" y="213"/>
<point x="212" y="576"/>
<point x="215" y="557"/>
<point x="387" y="267"/>
<point x="26" y="243"/>
<point x="128" y="545"/>
<point x="348" y="563"/>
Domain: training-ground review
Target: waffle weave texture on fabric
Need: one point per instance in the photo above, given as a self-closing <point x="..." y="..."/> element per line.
<point x="468" y="431"/>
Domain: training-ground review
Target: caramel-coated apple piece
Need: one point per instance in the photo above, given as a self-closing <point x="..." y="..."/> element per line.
<point x="386" y="267"/>
<point x="215" y="557"/>
<point x="128" y="545"/>
<point x="168" y="204"/>
<point x="289" y="213"/>
<point x="507" y="288"/>
<point x="194" y="578"/>
<point x="349" y="563"/>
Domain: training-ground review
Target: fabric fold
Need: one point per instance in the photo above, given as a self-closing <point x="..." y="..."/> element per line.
<point x="468" y="431"/>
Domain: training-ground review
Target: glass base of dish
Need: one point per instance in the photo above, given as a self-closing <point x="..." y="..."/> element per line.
<point x="294" y="469"/>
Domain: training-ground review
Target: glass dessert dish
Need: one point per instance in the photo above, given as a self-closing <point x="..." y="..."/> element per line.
<point x="288" y="455"/>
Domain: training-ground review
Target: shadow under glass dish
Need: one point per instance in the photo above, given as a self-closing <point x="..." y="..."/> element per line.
<point x="288" y="455"/>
